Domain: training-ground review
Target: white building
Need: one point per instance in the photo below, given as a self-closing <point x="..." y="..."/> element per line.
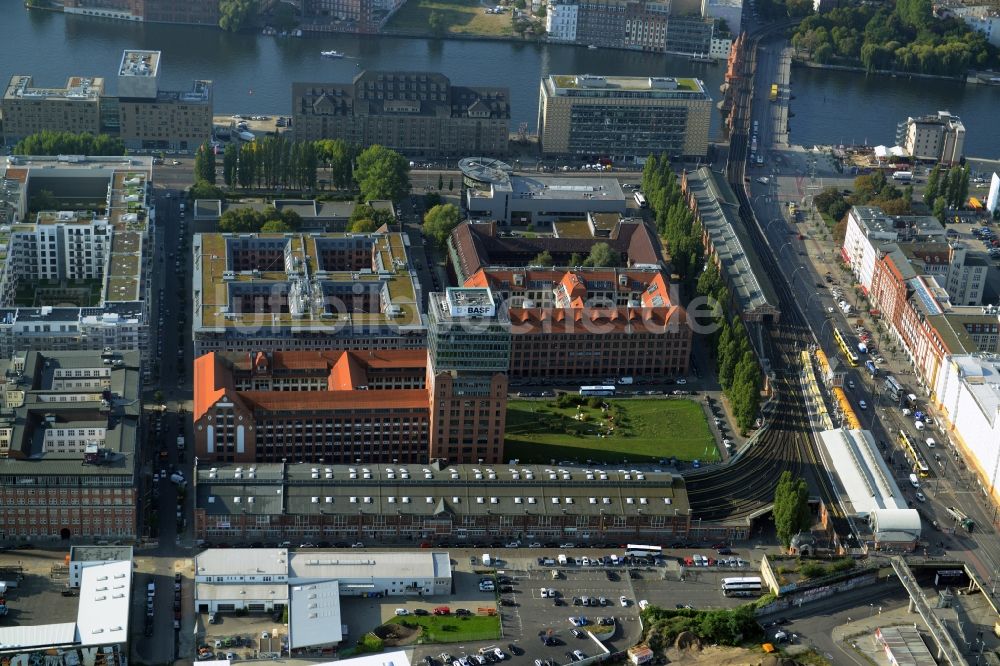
<point x="560" y="22"/>
<point x="937" y="138"/>
<point x="83" y="557"/>
<point x="720" y="47"/>
<point x="993" y="198"/>
<point x="968" y="394"/>
<point x="981" y="18"/>
<point x="538" y="200"/>
<point x="868" y="228"/>
<point x="311" y="582"/>
<point x="962" y="274"/>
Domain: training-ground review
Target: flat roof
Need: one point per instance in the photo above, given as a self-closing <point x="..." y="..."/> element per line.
<point x="77" y="88"/>
<point x="314" y="614"/>
<point x="105" y="595"/>
<point x="246" y="591"/>
<point x="719" y="213"/>
<point x="397" y="658"/>
<point x="874" y="221"/>
<point x="100" y="553"/>
<point x="867" y="480"/>
<point x="905" y="646"/>
<point x="350" y="565"/>
<point x="653" y="85"/>
<point x="485" y="169"/>
<point x="139" y="62"/>
<point x="981" y="378"/>
<point x="301" y="267"/>
<point x="242" y="561"/>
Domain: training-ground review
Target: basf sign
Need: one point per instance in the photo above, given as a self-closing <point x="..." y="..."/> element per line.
<point x="470" y="302"/>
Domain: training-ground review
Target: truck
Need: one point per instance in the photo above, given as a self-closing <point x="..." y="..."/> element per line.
<point x="487" y="560"/>
<point x="180" y="442"/>
<point x="902" y="175"/>
<point x="961" y="519"/>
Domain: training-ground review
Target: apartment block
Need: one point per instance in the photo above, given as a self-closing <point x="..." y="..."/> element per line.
<point x="560" y="22"/>
<point x="359" y="16"/>
<point x="28" y="109"/>
<point x="150" y="118"/>
<point x="868" y="228"/>
<point x="473" y="504"/>
<point x="416" y="113"/>
<point x="76" y="279"/>
<point x="623" y="116"/>
<point x="935" y="138"/>
<point x="288" y="292"/>
<point x="601" y="23"/>
<point x="646" y="26"/>
<point x="69" y="444"/>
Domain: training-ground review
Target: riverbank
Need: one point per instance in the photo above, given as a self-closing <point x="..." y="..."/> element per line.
<point x="802" y="62"/>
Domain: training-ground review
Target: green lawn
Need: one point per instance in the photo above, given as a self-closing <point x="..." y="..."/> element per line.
<point x="463" y="17"/>
<point x="453" y="628"/>
<point x="644" y="430"/>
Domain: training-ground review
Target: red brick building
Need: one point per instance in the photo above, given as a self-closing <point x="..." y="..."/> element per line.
<point x="591" y="323"/>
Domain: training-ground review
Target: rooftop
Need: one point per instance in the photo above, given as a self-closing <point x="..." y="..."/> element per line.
<point x="315" y="613"/>
<point x="304" y="281"/>
<point x="980" y="374"/>
<point x="140" y="63"/>
<point x="302" y="489"/>
<point x="863" y="474"/>
<point x="485" y="169"/>
<point x="903" y="227"/>
<point x="718" y="210"/>
<point x="652" y="86"/>
<point x="77" y="88"/>
<point x="100" y="553"/>
<point x="242" y="561"/>
<point x="346" y="565"/>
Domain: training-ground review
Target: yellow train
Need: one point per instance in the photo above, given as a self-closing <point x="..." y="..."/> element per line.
<point x="851" y="421"/>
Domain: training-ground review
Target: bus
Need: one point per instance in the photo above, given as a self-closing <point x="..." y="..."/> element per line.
<point x="892" y="389"/>
<point x="846" y="347"/>
<point x="597" y="390"/>
<point x="638" y="550"/>
<point x="919" y="464"/>
<point x="747" y="586"/>
<point x="640" y="200"/>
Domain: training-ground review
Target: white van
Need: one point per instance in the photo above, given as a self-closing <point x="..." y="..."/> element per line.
<point x="919" y="425"/>
<point x="562" y="559"/>
<point x="914" y="481"/>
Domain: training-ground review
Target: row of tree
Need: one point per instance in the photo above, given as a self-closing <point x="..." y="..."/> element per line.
<point x="269" y="220"/>
<point x="48" y="142"/>
<point x="601" y="255"/>
<point x="739" y="371"/>
<point x="791" y="507"/>
<point x="946" y="188"/>
<point x="740" y="374"/>
<point x="905" y="36"/>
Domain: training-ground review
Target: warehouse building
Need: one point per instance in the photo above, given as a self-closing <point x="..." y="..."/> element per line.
<point x="625" y="117"/>
<point x="437" y="503"/>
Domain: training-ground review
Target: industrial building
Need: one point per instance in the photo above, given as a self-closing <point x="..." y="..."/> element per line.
<point x="967" y="393"/>
<point x="69" y="445"/>
<point x="287" y="292"/>
<point x="142" y="115"/>
<point x="538" y="200"/>
<point x="416" y="113"/>
<point x="728" y="245"/>
<point x="448" y="401"/>
<point x="76" y="279"/>
<point x="93" y="629"/>
<point x="82" y="557"/>
<point x="310" y="584"/>
<point x="934" y="138"/>
<point x="471" y="504"/>
<point x="623" y="117"/>
<point x="869" y="489"/>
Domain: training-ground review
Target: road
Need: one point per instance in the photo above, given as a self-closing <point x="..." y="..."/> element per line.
<point x="806" y="254"/>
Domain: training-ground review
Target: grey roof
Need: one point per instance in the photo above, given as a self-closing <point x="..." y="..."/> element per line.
<point x="718" y="210"/>
<point x="304" y="489"/>
<point x="242" y="561"/>
<point x="362" y="565"/>
<point x="314" y="614"/>
<point x="100" y="553"/>
<point x="29" y="421"/>
<point x="249" y="592"/>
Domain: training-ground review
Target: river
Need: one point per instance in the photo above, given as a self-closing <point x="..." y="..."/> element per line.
<point x="254" y="73"/>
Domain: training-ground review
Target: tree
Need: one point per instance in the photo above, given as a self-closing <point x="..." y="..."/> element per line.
<point x="440" y="221"/>
<point x="235" y="15"/>
<point x="791" y="507"/>
<point x="440" y="182"/>
<point x="575" y="259"/>
<point x="338" y="155"/>
<point x="365" y="225"/>
<point x="543" y="258"/>
<point x="291" y="219"/>
<point x="933" y="184"/>
<point x="437" y="23"/>
<point x="939" y="206"/>
<point x="275" y="227"/>
<point x="48" y="142"/>
<point x="43" y="200"/>
<point x="602" y="255"/>
<point x="451" y="184"/>
<point x="382" y="173"/>
<point x="204" y="163"/>
<point x="203" y="190"/>
<point x="229" y="156"/>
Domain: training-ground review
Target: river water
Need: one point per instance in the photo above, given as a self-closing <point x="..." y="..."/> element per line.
<point x="254" y="73"/>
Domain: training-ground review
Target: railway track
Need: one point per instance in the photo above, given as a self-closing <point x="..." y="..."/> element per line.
<point x="746" y="486"/>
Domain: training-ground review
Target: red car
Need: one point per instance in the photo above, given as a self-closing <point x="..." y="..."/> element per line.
<point x="442" y="610"/>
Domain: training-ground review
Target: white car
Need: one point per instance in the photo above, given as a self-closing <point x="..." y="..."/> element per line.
<point x="623" y="601"/>
<point x="829" y="309"/>
<point x="931" y="443"/>
<point x="643" y="604"/>
<point x="544" y="593"/>
<point x="862" y="404"/>
<point x="402" y="611"/>
<point x="920" y="497"/>
<point x="682" y="381"/>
